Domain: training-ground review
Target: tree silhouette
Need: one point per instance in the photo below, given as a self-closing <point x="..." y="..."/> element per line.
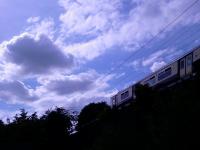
<point x="2" y="131"/>
<point x="92" y="113"/>
<point x="57" y="123"/>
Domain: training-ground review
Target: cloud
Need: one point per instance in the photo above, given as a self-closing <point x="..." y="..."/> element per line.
<point x="6" y="114"/>
<point x="113" y="26"/>
<point x="72" y="91"/>
<point x="69" y="91"/>
<point x="156" y="60"/>
<point x="73" y="84"/>
<point x="88" y="19"/>
<point x="85" y="16"/>
<point x="135" y="64"/>
<point x="15" y="91"/>
<point x="157" y="65"/>
<point x="156" y="56"/>
<point x="35" y="56"/>
<point x="149" y="17"/>
<point x="33" y="19"/>
<point x="91" y="49"/>
<point x="66" y="85"/>
<point x="44" y="27"/>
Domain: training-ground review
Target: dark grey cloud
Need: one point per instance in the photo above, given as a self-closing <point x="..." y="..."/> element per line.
<point x="15" y="90"/>
<point x="68" y="86"/>
<point x="37" y="56"/>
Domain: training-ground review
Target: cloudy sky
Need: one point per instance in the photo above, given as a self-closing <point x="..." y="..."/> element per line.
<point x="72" y="52"/>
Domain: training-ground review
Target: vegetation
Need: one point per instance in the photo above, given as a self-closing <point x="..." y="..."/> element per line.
<point x="158" y="119"/>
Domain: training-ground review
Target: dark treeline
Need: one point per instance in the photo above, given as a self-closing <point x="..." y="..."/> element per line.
<point x="51" y="130"/>
<point x="158" y="119"/>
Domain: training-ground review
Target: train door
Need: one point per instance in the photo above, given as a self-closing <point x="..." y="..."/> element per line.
<point x="188" y="64"/>
<point x="182" y="67"/>
<point x="114" y="101"/>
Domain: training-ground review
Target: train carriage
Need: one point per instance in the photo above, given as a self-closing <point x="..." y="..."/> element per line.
<point x="183" y="68"/>
<point x="123" y="96"/>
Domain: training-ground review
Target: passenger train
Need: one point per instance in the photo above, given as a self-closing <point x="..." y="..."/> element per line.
<point x="180" y="69"/>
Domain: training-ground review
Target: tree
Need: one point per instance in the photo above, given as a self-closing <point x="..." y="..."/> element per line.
<point x="57" y="122"/>
<point x="92" y="113"/>
<point x="2" y="130"/>
<point x="20" y="118"/>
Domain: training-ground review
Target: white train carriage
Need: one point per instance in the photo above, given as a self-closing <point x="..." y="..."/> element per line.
<point x="196" y="54"/>
<point x="162" y="75"/>
<point x="123" y="96"/>
<point x="167" y="73"/>
<point x="150" y="80"/>
<point x="196" y="61"/>
<point x="180" y="69"/>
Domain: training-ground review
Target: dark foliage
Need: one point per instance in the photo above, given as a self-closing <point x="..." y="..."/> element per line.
<point x="31" y="132"/>
<point x="92" y="113"/>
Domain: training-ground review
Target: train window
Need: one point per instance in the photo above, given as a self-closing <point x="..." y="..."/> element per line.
<point x="124" y="95"/>
<point x="189" y="60"/>
<point x="152" y="80"/>
<point x="182" y="64"/>
<point x="164" y="74"/>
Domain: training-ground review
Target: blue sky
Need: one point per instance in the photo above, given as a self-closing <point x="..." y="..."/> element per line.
<point x="67" y="52"/>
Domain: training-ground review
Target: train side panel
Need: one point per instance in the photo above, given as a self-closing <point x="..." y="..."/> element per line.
<point x="196" y="55"/>
<point x="124" y="95"/>
<point x="196" y="60"/>
<point x="151" y="80"/>
<point x="167" y="72"/>
<point x="185" y="65"/>
<point x="114" y="100"/>
<point x="188" y="69"/>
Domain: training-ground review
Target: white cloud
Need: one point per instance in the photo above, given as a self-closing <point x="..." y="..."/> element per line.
<point x="135" y="64"/>
<point x="120" y="75"/>
<point x="5" y="114"/>
<point x="91" y="49"/>
<point x="156" y="56"/>
<point x="105" y="20"/>
<point x="156" y="60"/>
<point x="157" y="65"/>
<point x="85" y="16"/>
<point x="44" y="27"/>
<point x="33" y="19"/>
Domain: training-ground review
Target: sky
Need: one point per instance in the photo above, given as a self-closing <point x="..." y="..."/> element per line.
<point x="69" y="53"/>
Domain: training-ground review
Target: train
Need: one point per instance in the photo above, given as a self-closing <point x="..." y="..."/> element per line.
<point x="180" y="69"/>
